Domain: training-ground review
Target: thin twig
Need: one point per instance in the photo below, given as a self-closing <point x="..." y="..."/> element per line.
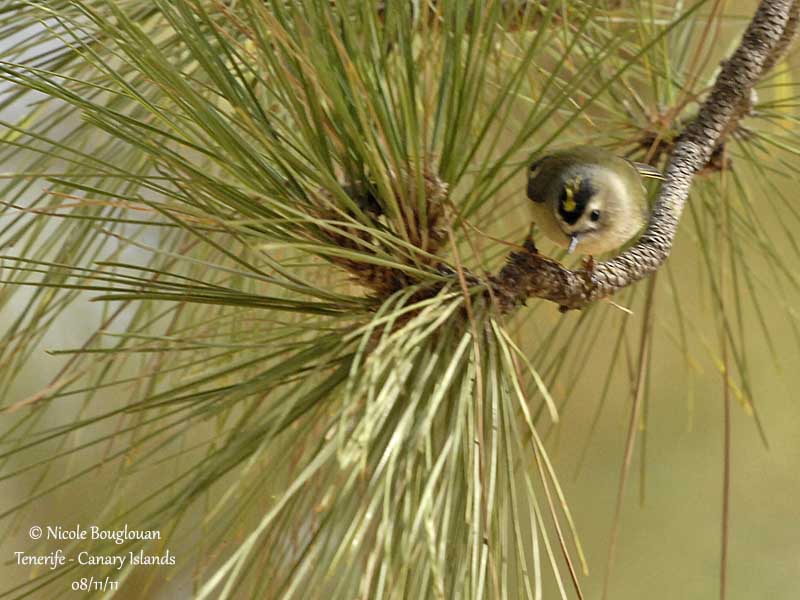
<point x="630" y="442"/>
<point x="726" y="475"/>
<point x="726" y="413"/>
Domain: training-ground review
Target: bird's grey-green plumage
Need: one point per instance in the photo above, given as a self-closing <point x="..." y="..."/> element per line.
<point x="587" y="199"/>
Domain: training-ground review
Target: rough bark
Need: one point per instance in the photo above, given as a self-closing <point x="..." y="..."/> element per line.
<point x="529" y="274"/>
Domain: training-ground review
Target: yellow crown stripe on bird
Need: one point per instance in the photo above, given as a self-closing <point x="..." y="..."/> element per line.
<point x="569" y="204"/>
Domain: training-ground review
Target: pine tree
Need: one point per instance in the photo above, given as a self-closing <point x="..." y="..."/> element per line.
<point x="326" y="359"/>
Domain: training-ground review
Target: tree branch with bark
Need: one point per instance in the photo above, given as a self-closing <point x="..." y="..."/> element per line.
<point x="528" y="274"/>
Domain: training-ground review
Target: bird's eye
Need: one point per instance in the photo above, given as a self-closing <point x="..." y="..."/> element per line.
<point x="595" y="215"/>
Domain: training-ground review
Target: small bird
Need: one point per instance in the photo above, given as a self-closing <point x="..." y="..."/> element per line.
<point x="587" y="199"/>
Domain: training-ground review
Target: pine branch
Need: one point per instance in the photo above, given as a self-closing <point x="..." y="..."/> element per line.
<point x="529" y="274"/>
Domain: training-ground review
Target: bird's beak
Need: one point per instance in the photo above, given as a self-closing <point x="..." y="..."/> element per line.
<point x="573" y="242"/>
